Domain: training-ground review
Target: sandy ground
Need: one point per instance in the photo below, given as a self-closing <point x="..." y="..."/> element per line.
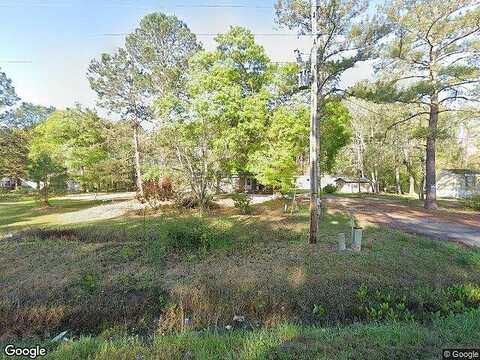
<point x="255" y="199"/>
<point x="101" y="196"/>
<point x="436" y="224"/>
<point x="117" y="204"/>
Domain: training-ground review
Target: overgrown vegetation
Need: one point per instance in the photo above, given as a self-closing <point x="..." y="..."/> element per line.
<point x="330" y="189"/>
<point x="472" y="202"/>
<point x="169" y="273"/>
<point x="243" y="202"/>
<point x="398" y="340"/>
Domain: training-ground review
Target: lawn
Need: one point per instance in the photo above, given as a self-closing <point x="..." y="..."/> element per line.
<point x="27" y="212"/>
<point x="127" y="281"/>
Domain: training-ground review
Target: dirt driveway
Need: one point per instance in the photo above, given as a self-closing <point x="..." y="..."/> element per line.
<point x="442" y="224"/>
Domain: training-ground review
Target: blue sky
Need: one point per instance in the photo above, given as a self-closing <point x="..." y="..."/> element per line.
<point x="46" y="45"/>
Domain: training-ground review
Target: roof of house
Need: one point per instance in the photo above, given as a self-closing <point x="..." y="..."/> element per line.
<point x="349" y="179"/>
<point x="462" y="171"/>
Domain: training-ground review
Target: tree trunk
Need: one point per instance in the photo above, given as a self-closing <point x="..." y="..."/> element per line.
<point x="374" y="182"/>
<point x="430" y="177"/>
<point x="138" y="172"/>
<point x="411" y="185"/>
<point x="421" y="187"/>
<point x="45" y="191"/>
<point x="397" y="180"/>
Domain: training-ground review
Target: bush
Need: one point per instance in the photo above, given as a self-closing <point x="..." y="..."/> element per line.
<point x="157" y="191"/>
<point x="242" y="201"/>
<point x="472" y="202"/>
<point x="186" y="236"/>
<point x="330" y="189"/>
<point x="190" y="201"/>
<point x="393" y="305"/>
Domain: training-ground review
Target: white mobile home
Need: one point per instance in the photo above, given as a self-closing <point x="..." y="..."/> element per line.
<point x="458" y="183"/>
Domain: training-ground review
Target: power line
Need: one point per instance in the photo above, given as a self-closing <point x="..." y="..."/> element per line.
<point x="15" y="62"/>
<point x="217" y="34"/>
<point x="225" y="6"/>
<point x="207" y="6"/>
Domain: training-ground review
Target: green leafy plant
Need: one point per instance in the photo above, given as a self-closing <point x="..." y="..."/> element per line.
<point x="319" y="311"/>
<point x="330" y="189"/>
<point x="472" y="202"/>
<point x="186" y="236"/>
<point x="89" y="282"/>
<point x="242" y="202"/>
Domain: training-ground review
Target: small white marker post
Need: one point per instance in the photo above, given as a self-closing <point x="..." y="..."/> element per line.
<point x="342" y="246"/>
<point x="357" y="239"/>
<point x="352" y="225"/>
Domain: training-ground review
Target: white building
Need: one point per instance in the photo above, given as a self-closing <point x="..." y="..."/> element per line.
<point x="303" y="181"/>
<point x="458" y="183"/>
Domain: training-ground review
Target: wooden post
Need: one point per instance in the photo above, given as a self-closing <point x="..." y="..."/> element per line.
<point x="314" y="133"/>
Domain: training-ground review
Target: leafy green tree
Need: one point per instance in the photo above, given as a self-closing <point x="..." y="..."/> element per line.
<point x="14" y="143"/>
<point x="119" y="166"/>
<point x="285" y="144"/>
<point x="347" y="35"/>
<point x="8" y="97"/>
<point x="228" y="87"/>
<point x="76" y="139"/>
<point x="151" y="65"/>
<point x="43" y="168"/>
<point x="276" y="163"/>
<point x="10" y="141"/>
<point x="229" y="93"/>
<point x="430" y="61"/>
<point x="26" y="115"/>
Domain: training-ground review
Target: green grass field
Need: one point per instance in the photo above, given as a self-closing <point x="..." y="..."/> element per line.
<point x="25" y="212"/>
<point x="119" y="285"/>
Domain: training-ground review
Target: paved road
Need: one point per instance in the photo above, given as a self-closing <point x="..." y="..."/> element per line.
<point x="440" y="224"/>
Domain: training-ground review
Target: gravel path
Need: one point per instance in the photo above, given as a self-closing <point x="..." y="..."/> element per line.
<point x="436" y="224"/>
<point x="101" y="196"/>
<point x="255" y="199"/>
<point x="114" y="207"/>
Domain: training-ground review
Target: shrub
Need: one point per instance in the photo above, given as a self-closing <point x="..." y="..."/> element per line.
<point x="190" y="201"/>
<point x="191" y="235"/>
<point x="427" y="304"/>
<point x="381" y="305"/>
<point x="157" y="191"/>
<point x="185" y="236"/>
<point x="242" y="201"/>
<point x="89" y="282"/>
<point x="330" y="189"/>
<point x="472" y="202"/>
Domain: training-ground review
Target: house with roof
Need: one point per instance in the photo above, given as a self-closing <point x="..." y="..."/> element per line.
<point x="352" y="185"/>
<point x="458" y="183"/>
<point x="345" y="184"/>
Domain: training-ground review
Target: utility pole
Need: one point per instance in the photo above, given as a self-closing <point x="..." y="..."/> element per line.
<point x="315" y="201"/>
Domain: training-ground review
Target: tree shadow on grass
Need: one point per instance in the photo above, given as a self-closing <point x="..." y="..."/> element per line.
<point x="17" y="215"/>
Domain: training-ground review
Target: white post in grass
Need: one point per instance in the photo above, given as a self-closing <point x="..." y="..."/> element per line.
<point x="342" y="246"/>
<point x="357" y="239"/>
<point x="352" y="225"/>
